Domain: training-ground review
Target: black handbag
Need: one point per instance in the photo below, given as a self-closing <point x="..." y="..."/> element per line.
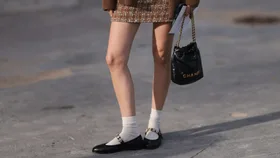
<point x="186" y="64"/>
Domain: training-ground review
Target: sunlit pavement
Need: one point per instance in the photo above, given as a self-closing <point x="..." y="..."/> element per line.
<point x="57" y="101"/>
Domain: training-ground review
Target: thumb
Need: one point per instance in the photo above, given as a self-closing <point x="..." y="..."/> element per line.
<point x="111" y="12"/>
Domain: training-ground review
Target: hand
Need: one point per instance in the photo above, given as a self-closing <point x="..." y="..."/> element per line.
<point x="111" y="12"/>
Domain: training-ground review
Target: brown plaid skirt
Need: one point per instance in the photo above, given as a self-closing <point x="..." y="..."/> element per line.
<point x="147" y="11"/>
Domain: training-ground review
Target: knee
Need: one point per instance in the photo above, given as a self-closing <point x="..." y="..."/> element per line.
<point x="115" y="61"/>
<point x="161" y="57"/>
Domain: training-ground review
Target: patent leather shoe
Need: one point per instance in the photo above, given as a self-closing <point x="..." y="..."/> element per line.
<point x="153" y="144"/>
<point x="135" y="144"/>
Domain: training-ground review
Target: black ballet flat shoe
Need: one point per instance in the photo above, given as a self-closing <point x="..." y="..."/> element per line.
<point x="135" y="144"/>
<point x="153" y="144"/>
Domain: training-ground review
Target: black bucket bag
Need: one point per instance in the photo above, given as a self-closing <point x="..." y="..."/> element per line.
<point x="186" y="64"/>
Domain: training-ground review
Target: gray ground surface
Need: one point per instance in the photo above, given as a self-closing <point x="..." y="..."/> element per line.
<point x="12" y="6"/>
<point x="56" y="97"/>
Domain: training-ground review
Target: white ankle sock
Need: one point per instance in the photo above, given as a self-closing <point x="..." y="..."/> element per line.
<point x="154" y="123"/>
<point x="129" y="130"/>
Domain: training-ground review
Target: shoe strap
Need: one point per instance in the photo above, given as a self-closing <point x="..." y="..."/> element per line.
<point x="153" y="130"/>
<point x="120" y="139"/>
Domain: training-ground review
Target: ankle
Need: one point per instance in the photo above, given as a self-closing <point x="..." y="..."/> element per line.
<point x="154" y="121"/>
<point x="129" y="130"/>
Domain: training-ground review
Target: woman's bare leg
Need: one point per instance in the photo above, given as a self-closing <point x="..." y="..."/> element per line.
<point x="162" y="45"/>
<point x="120" y="42"/>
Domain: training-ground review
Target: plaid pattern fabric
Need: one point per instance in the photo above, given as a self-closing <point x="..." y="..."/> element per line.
<point x="147" y="11"/>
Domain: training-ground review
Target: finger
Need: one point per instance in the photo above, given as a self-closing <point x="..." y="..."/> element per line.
<point x="111" y="12"/>
<point x="189" y="9"/>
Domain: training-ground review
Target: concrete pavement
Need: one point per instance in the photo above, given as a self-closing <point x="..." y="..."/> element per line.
<point x="15" y="6"/>
<point x="56" y="97"/>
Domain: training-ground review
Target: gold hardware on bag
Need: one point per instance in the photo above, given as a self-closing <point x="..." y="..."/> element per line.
<point x="182" y="26"/>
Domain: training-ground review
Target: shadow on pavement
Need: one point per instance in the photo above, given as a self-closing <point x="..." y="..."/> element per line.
<point x="193" y="140"/>
<point x="212" y="129"/>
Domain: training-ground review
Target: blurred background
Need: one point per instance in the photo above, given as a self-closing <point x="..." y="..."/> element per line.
<point x="57" y="101"/>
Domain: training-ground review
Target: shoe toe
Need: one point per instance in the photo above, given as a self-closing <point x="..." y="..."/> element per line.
<point x="135" y="144"/>
<point x="103" y="148"/>
<point x="97" y="148"/>
<point x="152" y="144"/>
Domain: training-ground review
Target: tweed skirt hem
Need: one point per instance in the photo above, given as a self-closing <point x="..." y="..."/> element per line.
<point x="146" y="11"/>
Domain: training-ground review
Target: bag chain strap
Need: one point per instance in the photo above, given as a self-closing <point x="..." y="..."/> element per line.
<point x="182" y="26"/>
